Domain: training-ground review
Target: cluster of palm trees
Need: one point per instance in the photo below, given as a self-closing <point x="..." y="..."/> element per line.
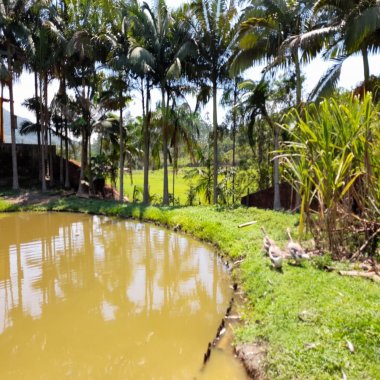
<point x="102" y="50"/>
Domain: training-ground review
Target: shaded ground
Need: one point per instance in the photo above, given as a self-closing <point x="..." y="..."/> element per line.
<point x="33" y="197"/>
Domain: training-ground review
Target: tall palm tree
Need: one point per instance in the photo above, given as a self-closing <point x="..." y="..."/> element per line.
<point x="215" y="26"/>
<point x="230" y="98"/>
<point x="121" y="61"/>
<point x="142" y="62"/>
<point x="115" y="98"/>
<point x="62" y="69"/>
<point x="42" y="60"/>
<point x="85" y="48"/>
<point x="255" y="99"/>
<point x="168" y="43"/>
<point x="15" y="40"/>
<point x="265" y="31"/>
<point x="184" y="133"/>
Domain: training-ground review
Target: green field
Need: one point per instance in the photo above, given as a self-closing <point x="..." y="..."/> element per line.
<point x="181" y="185"/>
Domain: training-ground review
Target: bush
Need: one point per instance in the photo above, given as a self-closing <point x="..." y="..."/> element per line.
<point x="333" y="160"/>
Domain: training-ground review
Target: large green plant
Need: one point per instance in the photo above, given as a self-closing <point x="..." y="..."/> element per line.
<point x="332" y="157"/>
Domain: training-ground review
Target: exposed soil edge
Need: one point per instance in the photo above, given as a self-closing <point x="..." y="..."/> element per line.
<point x="253" y="357"/>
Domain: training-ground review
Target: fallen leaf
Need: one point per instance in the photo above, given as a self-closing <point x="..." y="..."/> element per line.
<point x="311" y="346"/>
<point x="350" y="346"/>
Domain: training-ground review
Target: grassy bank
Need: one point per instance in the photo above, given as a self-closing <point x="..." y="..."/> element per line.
<point x="305" y="315"/>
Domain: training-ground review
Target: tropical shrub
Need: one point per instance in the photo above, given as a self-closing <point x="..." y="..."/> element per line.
<point x="332" y="158"/>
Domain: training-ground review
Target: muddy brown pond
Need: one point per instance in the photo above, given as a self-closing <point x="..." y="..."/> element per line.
<point x="89" y="297"/>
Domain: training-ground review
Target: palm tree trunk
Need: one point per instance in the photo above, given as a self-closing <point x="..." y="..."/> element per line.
<point x="15" y="184"/>
<point x="38" y="122"/>
<point x="43" y="140"/>
<point x="164" y="148"/>
<point x="298" y="100"/>
<point x="83" y="162"/>
<point x="61" y="174"/>
<point x="51" y="163"/>
<point x="67" y="179"/>
<point x="215" y="140"/>
<point x="146" y="146"/>
<point x="121" y="161"/>
<point x="174" y="174"/>
<point x="365" y="64"/>
<point x="1" y="114"/>
<point x="298" y="78"/>
<point x="276" y="171"/>
<point x="88" y="164"/>
<point x="84" y="150"/>
<point x="48" y="135"/>
<point x="234" y="126"/>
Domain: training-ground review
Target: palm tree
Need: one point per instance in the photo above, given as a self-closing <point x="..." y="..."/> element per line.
<point x="168" y="44"/>
<point x="254" y="100"/>
<point x="230" y="98"/>
<point x="214" y="23"/>
<point x="14" y="40"/>
<point x="85" y="48"/>
<point x="350" y="27"/>
<point x="184" y="127"/>
<point x="42" y="60"/>
<point x="115" y="99"/>
<point x="265" y="30"/>
<point x="142" y="62"/>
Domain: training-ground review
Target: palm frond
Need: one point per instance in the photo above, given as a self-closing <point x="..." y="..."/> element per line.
<point x="255" y="22"/>
<point x="28" y="128"/>
<point x="362" y="27"/>
<point x="142" y="59"/>
<point x="174" y="70"/>
<point x="328" y="82"/>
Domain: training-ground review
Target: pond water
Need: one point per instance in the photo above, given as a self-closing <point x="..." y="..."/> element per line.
<point x="89" y="297"/>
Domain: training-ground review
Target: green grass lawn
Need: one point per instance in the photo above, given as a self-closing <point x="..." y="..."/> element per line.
<point x="304" y="315"/>
<point x="181" y="185"/>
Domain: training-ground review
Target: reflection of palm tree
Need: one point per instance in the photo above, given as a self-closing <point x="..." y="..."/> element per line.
<point x="20" y="274"/>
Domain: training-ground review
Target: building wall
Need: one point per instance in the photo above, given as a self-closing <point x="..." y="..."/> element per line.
<point x="28" y="163"/>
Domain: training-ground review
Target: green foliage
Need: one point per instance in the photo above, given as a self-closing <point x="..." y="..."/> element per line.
<point x="6" y="206"/>
<point x="323" y="261"/>
<point x="191" y="195"/>
<point x="332" y="158"/>
<point x="101" y="166"/>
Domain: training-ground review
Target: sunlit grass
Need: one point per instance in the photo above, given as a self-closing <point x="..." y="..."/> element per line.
<point x="156" y="178"/>
<point x="7" y="206"/>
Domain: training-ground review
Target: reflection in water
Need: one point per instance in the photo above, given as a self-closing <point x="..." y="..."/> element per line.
<point x="91" y="297"/>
